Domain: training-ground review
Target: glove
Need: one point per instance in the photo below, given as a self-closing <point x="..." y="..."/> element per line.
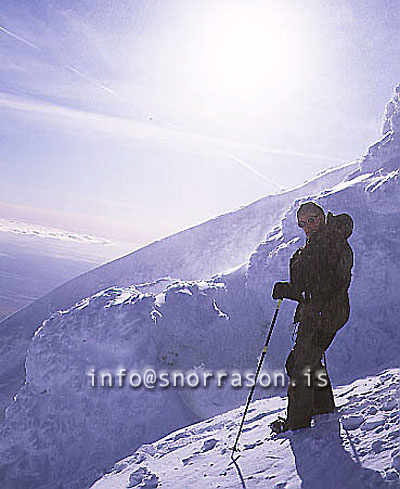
<point x="281" y="289"/>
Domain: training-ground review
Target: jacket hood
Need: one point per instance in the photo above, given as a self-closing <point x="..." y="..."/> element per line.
<point x="340" y="225"/>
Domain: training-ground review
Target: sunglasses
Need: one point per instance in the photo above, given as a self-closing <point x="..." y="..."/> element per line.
<point x="310" y="220"/>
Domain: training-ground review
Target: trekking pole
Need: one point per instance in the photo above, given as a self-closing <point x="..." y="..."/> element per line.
<point x="260" y="362"/>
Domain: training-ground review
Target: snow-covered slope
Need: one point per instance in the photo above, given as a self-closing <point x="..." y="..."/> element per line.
<point x="60" y="432"/>
<point x="356" y="449"/>
<point x="195" y="253"/>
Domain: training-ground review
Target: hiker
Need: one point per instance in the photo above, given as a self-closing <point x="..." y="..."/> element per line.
<point x="320" y="275"/>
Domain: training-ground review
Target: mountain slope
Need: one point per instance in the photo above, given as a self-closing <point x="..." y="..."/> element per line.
<point x="195" y="253"/>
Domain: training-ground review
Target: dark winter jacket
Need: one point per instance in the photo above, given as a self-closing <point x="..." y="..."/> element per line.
<point x="320" y="274"/>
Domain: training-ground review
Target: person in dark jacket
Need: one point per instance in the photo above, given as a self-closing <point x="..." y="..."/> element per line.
<point x="320" y="275"/>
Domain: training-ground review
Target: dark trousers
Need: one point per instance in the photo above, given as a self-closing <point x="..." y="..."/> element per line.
<point x="310" y="390"/>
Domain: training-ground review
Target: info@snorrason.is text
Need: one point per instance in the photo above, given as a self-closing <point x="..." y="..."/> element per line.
<point x="150" y="378"/>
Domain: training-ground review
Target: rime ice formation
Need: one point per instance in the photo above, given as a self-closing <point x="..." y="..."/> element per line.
<point x="193" y="254"/>
<point x="391" y="120"/>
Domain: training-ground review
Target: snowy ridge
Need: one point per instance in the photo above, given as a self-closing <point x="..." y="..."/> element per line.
<point x="193" y="254"/>
<point x="360" y="452"/>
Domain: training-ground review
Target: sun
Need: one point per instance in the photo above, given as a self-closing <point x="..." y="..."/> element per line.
<point x="246" y="50"/>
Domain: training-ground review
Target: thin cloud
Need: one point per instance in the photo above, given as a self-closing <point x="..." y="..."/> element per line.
<point x="120" y="126"/>
<point x="135" y="129"/>
<point x="95" y="121"/>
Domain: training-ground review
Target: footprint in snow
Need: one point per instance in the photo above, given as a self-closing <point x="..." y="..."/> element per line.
<point x="352" y="422"/>
<point x="188" y="460"/>
<point x="250" y="446"/>
<point x="345" y="393"/>
<point x="250" y="428"/>
<point x="143" y="478"/>
<point x="389" y="405"/>
<point x="183" y="434"/>
<point x="256" y="418"/>
<point x="396" y="462"/>
<point x="209" y="444"/>
<point x="377" y="446"/>
<point x="373" y="422"/>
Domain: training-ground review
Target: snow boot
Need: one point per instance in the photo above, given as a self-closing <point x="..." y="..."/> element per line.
<point x="279" y="426"/>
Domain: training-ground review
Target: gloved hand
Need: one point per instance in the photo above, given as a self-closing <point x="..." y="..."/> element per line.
<point x="281" y="290"/>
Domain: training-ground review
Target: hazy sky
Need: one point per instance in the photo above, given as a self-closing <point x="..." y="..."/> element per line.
<point x="133" y="119"/>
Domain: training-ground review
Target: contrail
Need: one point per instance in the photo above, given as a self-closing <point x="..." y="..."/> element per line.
<point x="70" y="68"/>
<point x="249" y="167"/>
<point x="86" y="78"/>
<point x="19" y="38"/>
<point x="92" y="82"/>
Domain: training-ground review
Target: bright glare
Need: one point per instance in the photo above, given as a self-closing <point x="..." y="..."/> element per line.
<point x="249" y="51"/>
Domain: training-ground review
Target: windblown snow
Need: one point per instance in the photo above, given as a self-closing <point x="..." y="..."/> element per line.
<point x="172" y="306"/>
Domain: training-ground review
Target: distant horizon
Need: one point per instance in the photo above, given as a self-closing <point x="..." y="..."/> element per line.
<point x="42" y="218"/>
